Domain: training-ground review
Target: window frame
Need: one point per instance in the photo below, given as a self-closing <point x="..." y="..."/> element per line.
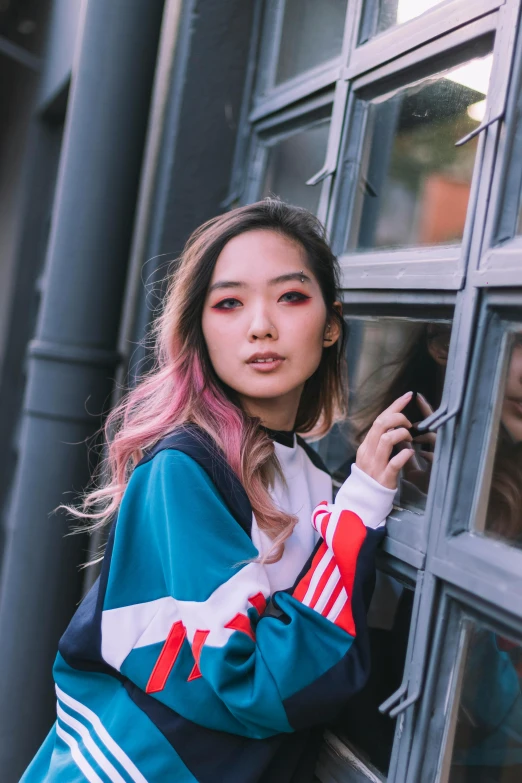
<point x="437" y="718"/>
<point x="499" y="264"/>
<point x="273" y="129"/>
<point x="429" y="267"/>
<point x="457" y="553"/>
<point x="407" y="531"/>
<point x="267" y="96"/>
<point x="401" y="38"/>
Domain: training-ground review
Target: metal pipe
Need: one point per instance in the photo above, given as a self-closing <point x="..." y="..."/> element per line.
<point x="73" y="358"/>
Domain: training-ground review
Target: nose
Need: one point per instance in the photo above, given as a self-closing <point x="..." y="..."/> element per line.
<point x="261" y="326"/>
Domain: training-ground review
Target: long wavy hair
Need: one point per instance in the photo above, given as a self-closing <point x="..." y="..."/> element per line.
<point x="182" y="386"/>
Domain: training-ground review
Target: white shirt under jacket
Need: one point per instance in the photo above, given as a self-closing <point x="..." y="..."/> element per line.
<point x="304" y="487"/>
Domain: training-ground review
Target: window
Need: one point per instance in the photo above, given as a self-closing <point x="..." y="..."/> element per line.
<point x="356" y="112"/>
<point x="287" y="150"/>
<point x="504" y="507"/>
<point x="291" y="161"/>
<point x="487" y="746"/>
<point x="475" y="697"/>
<point x="388" y="13"/>
<point x="312" y="33"/>
<point x="386" y="358"/>
<point x="414" y="183"/>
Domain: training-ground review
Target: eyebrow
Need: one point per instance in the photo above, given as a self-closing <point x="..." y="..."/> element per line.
<point x="300" y="276"/>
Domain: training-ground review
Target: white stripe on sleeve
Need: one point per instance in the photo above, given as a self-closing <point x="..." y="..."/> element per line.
<point x="103" y="735"/>
<point x="77" y="755"/>
<point x="91" y="746"/>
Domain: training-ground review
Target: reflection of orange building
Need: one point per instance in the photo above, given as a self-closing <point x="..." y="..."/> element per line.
<point x="443" y="209"/>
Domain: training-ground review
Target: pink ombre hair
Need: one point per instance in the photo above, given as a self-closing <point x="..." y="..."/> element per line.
<point x="182" y="385"/>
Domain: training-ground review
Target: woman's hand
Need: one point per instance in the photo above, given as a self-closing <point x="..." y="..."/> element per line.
<point x="374" y="453"/>
<point x="418" y="471"/>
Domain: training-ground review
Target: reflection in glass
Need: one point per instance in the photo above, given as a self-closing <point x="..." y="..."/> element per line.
<point x="292" y="161"/>
<point x="23" y="24"/>
<point x="392" y="12"/>
<point x="414" y="183"/>
<point x="504" y="513"/>
<point x="363" y="727"/>
<point x="386" y="358"/>
<point x="488" y="739"/>
<point x="312" y="34"/>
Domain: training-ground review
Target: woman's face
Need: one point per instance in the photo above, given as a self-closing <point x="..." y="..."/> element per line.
<point x="264" y="322"/>
<point x="512" y="405"/>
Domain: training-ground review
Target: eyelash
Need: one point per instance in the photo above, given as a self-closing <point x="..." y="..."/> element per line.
<point x="300" y="298"/>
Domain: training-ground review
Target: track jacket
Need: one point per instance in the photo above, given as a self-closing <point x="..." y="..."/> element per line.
<point x="188" y="660"/>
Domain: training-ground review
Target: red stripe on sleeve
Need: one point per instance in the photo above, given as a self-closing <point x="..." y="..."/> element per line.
<point x="333" y="598"/>
<point x="324" y="524"/>
<point x="258" y="601"/>
<point x="348" y="539"/>
<point x="241" y="623"/>
<point x="300" y="591"/>
<point x="322" y="583"/>
<point x="167" y="658"/>
<point x="200" y="638"/>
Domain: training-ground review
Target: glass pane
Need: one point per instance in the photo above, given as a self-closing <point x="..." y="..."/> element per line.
<point x="392" y="12"/>
<point x="414" y="184"/>
<point x="292" y="161"/>
<point x="24" y="24"/>
<point x="386" y="358"/>
<point x="488" y="739"/>
<point x="312" y="33"/>
<point x="363" y="727"/>
<point x="504" y="512"/>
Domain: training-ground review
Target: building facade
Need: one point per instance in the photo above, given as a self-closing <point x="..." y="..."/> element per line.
<point x="399" y="123"/>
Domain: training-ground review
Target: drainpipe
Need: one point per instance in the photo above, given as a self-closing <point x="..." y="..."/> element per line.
<point x="73" y="359"/>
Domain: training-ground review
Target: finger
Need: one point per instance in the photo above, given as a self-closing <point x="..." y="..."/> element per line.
<point x="396" y="464"/>
<point x="386" y="419"/>
<point x="384" y="422"/>
<point x="424" y="405"/>
<point x="385" y="447"/>
<point x="400" y="403"/>
<point x="392" y="438"/>
<point x="428" y="437"/>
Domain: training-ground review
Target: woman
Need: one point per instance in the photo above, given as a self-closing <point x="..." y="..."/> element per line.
<point x="225" y="629"/>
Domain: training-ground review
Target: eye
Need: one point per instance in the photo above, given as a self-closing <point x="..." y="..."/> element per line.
<point x="227" y="304"/>
<point x="294" y="297"/>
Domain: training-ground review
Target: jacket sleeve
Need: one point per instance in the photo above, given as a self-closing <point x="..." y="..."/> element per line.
<point x="188" y="615"/>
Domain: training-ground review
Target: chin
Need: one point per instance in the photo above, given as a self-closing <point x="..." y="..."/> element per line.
<point x="269" y="390"/>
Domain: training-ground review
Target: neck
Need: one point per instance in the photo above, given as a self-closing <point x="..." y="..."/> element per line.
<point x="275" y="414"/>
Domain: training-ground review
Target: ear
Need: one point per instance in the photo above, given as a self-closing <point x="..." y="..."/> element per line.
<point x="332" y="330"/>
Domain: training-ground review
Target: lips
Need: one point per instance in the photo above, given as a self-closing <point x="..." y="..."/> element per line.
<point x="265" y="358"/>
<point x="265" y="362"/>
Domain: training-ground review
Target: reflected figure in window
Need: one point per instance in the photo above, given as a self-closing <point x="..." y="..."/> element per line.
<point x="504" y="515"/>
<point x="488" y="742"/>
<point x="420" y="367"/>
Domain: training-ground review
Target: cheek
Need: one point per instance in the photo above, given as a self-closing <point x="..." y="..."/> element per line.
<point x="215" y="336"/>
<point x="306" y="334"/>
<point x="308" y="329"/>
<point x="221" y="332"/>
